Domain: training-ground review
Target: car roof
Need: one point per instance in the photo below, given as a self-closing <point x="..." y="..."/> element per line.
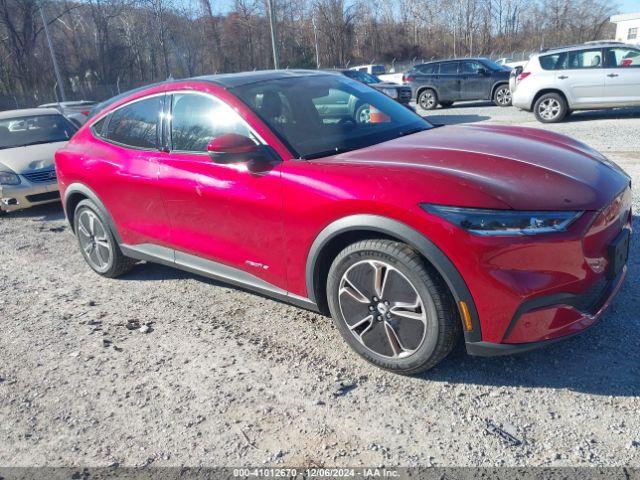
<point x="27" y="112"/>
<point x="73" y="103"/>
<point x="232" y="80"/>
<point x="444" y="60"/>
<point x="582" y="46"/>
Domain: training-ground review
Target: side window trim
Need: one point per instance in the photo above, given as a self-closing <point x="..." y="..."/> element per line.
<point x="169" y="121"/>
<point x="109" y="115"/>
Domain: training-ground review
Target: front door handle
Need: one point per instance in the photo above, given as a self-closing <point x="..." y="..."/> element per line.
<point x="611" y="75"/>
<point x="563" y="77"/>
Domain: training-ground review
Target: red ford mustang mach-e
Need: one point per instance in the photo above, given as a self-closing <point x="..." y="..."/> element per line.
<point x="406" y="233"/>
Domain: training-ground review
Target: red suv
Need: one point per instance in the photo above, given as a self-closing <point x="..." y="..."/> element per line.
<point x="406" y="233"/>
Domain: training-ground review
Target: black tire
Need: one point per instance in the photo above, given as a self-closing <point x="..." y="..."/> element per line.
<point x="550" y="108"/>
<point x="446" y="104"/>
<point x="428" y="99"/>
<point x="362" y="113"/>
<point x="116" y="263"/>
<point x="502" y="96"/>
<point x="430" y="338"/>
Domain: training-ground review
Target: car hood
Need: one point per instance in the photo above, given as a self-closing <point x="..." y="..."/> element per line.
<point x="522" y="168"/>
<point x="32" y="157"/>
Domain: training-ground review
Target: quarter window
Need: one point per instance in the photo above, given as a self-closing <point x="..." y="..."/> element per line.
<point x="553" y="62"/>
<point x="198" y="119"/>
<point x="136" y="124"/>
<point x="585" y="59"/>
<point x="429" y="69"/>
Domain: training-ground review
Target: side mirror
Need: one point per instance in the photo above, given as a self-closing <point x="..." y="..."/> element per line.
<point x="232" y="148"/>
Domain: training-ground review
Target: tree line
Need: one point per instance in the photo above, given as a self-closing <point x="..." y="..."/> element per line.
<point x="106" y="46"/>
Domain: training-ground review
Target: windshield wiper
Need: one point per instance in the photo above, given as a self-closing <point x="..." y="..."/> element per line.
<point x="326" y="153"/>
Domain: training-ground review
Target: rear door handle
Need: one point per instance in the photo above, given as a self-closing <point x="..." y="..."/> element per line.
<point x="611" y="75"/>
<point x="563" y="77"/>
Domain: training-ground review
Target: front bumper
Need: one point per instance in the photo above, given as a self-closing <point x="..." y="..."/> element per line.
<point x="578" y="321"/>
<point x="27" y="194"/>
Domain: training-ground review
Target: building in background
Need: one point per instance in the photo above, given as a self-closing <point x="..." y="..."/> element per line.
<point x="627" y="27"/>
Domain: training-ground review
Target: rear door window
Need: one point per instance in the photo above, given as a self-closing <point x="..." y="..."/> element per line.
<point x="585" y="59"/>
<point x="136" y="124"/>
<point x="450" y="68"/>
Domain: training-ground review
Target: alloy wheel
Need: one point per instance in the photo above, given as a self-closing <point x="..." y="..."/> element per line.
<point x="427" y="100"/>
<point x="382" y="309"/>
<point x="549" y="108"/>
<point x="503" y="96"/>
<point x="364" y="114"/>
<point x="94" y="240"/>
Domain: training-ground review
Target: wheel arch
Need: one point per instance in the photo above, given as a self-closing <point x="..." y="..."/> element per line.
<point x="497" y="85"/>
<point x="427" y="86"/>
<point x="74" y="194"/>
<point x="544" y="91"/>
<point x="337" y="235"/>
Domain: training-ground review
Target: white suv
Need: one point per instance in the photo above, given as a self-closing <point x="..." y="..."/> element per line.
<point x="590" y="76"/>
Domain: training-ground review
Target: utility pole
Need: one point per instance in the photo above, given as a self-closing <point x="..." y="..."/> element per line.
<point x="315" y="39"/>
<point x="272" y="23"/>
<point x="56" y="70"/>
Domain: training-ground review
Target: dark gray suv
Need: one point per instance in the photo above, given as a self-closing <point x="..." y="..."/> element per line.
<point x="447" y="81"/>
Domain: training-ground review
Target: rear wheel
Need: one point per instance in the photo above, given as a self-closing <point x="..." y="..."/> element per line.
<point x="392" y="308"/>
<point x="550" y="108"/>
<point x="428" y="99"/>
<point x="502" y="96"/>
<point x="97" y="243"/>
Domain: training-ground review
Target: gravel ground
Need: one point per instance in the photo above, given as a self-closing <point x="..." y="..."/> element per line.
<point x="163" y="368"/>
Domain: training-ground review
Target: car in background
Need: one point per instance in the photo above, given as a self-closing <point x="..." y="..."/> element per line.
<point x="447" y="81"/>
<point x="400" y="93"/>
<point x="28" y="140"/>
<point x="408" y="234"/>
<point x="589" y="76"/>
<point x="76" y="111"/>
<point x="510" y="63"/>
<point x="372" y="69"/>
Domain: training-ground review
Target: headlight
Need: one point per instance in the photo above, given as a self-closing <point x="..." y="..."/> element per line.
<point x="504" y="222"/>
<point x="391" y="92"/>
<point x="9" y="178"/>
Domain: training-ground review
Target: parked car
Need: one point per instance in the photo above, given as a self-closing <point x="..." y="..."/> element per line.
<point x="76" y="111"/>
<point x="510" y="63"/>
<point x="405" y="233"/>
<point x="580" y="77"/>
<point x="28" y="140"/>
<point x="400" y="93"/>
<point x="445" y="82"/>
<point x="372" y="69"/>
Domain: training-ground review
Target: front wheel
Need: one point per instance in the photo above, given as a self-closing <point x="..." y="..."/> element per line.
<point x="502" y="96"/>
<point x="428" y="99"/>
<point x="550" y="108"/>
<point x="392" y="308"/>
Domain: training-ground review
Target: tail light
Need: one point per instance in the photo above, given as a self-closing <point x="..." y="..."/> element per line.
<point x="407" y="78"/>
<point x="85" y="113"/>
<point x="627" y="62"/>
<point x="523" y="75"/>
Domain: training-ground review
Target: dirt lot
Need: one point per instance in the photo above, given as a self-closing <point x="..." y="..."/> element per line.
<point x="223" y="377"/>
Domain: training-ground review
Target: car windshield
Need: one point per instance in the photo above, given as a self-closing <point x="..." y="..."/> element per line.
<point x="318" y="116"/>
<point x="33" y="130"/>
<point x="363" y="77"/>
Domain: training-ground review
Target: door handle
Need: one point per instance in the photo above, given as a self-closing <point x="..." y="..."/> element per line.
<point x="563" y="77"/>
<point x="611" y="75"/>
